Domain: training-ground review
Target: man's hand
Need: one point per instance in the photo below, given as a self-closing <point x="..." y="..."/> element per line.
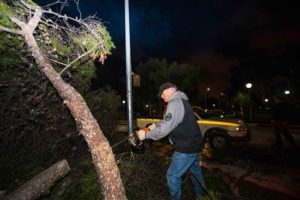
<point x="141" y="134"/>
<point x="151" y="126"/>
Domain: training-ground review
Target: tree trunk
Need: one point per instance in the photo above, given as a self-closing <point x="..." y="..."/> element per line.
<point x="41" y="183"/>
<point x="102" y="155"/>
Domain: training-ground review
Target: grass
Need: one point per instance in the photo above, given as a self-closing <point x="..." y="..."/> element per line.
<point x="80" y="184"/>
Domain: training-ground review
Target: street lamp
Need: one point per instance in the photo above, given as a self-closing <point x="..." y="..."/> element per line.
<point x="219" y="100"/>
<point x="207" y="90"/>
<point x="266" y="100"/>
<point x="287" y="92"/>
<point x="249" y="86"/>
<point x="123" y="103"/>
<point x="148" y="108"/>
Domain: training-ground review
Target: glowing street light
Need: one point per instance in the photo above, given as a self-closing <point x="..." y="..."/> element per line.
<point x="124" y="109"/>
<point x="266" y="101"/>
<point x="207" y="90"/>
<point x="249" y="85"/>
<point x="287" y="92"/>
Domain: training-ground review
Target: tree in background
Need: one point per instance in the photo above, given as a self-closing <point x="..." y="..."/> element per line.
<point x="243" y="101"/>
<point x="57" y="44"/>
<point x="156" y="71"/>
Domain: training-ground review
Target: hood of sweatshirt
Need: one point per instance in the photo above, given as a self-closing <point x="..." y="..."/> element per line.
<point x="179" y="95"/>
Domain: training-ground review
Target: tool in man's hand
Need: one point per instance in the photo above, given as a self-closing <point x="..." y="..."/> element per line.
<point x="134" y="138"/>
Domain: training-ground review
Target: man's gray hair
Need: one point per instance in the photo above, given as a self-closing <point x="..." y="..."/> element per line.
<point x="173" y="89"/>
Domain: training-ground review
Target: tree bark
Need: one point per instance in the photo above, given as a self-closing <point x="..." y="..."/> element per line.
<point x="41" y="183"/>
<point x="102" y="155"/>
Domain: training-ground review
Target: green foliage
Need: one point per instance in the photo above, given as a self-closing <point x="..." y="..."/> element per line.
<point x="63" y="44"/>
<point x="8" y="9"/>
<point x="10" y="45"/>
<point x="157" y="71"/>
<point x="104" y="104"/>
<point x="8" y="55"/>
<point x="5" y="13"/>
<point x="242" y="99"/>
<point x="36" y="128"/>
<point x="61" y="48"/>
<point x="108" y="44"/>
<point x="81" y="183"/>
<point x="87" y="41"/>
<point x="211" y="196"/>
<point x="88" y="181"/>
<point x="81" y="76"/>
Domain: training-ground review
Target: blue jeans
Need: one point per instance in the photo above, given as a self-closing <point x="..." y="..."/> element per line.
<point x="180" y="164"/>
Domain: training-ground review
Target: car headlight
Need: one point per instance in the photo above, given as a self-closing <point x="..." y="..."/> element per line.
<point x="240" y="128"/>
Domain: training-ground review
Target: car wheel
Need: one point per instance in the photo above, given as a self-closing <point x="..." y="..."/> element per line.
<point x="218" y="141"/>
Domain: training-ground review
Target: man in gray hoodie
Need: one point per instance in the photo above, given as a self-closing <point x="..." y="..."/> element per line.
<point x="180" y="124"/>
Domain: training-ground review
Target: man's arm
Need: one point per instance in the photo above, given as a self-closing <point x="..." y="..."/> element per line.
<point x="174" y="115"/>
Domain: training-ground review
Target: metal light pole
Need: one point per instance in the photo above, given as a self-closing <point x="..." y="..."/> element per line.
<point x="207" y="90"/>
<point x="219" y="100"/>
<point x="266" y="101"/>
<point x="124" y="108"/>
<point x="128" y="67"/>
<point x="249" y="86"/>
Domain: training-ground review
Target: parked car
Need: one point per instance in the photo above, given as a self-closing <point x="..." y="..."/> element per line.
<point x="219" y="131"/>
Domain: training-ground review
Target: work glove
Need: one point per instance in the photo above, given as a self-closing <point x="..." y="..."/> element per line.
<point x="136" y="138"/>
<point x="142" y="133"/>
<point x="151" y="126"/>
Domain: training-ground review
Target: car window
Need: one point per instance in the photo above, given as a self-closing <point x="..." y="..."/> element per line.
<point x="201" y="113"/>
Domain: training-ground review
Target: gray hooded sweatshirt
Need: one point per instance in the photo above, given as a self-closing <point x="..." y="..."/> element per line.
<point x="180" y="124"/>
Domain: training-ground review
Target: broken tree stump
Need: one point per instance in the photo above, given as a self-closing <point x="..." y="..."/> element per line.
<point x="41" y="183"/>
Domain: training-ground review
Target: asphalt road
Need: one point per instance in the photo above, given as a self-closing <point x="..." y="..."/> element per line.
<point x="262" y="135"/>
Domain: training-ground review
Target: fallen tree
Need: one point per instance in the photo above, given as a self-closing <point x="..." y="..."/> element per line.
<point x="41" y="183"/>
<point x="87" y="38"/>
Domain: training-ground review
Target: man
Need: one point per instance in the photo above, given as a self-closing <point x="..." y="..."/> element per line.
<point x="184" y="133"/>
<point x="281" y="114"/>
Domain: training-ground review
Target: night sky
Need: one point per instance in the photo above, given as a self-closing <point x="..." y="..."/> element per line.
<point x="213" y="34"/>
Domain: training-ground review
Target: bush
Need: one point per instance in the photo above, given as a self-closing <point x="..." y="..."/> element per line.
<point x="104" y="104"/>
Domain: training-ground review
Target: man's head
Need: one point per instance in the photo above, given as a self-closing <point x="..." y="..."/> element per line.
<point x="166" y="91"/>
